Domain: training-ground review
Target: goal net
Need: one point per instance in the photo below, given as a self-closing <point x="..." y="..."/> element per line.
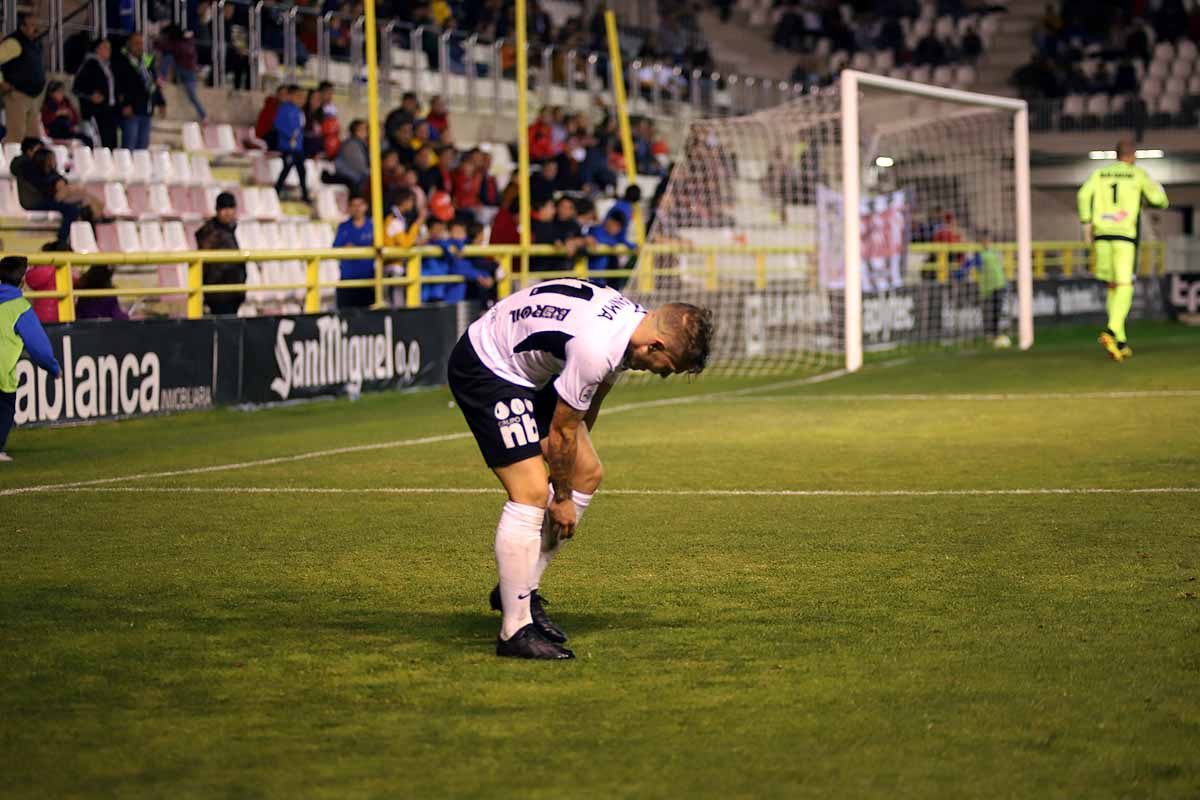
<point x="752" y="224"/>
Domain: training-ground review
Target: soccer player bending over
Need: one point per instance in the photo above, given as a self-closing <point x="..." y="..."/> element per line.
<point x="1110" y="205"/>
<point x="530" y="376"/>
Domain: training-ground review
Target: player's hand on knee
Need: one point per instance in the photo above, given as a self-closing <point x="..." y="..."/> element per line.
<point x="562" y="518"/>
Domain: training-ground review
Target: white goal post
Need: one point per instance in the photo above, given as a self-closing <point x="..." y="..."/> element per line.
<point x="852" y="82"/>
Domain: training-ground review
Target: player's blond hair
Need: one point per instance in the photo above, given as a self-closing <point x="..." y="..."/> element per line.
<point x="688" y="331"/>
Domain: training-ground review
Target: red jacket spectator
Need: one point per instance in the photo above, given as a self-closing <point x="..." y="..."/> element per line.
<point x="266" y="117"/>
<point x="41" y="279"/>
<point x="541" y="139"/>
<point x="467" y="183"/>
<point x="504" y="228"/>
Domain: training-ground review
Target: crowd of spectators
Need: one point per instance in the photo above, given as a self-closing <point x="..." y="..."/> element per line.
<point x="1119" y="36"/>
<point x="443" y="196"/>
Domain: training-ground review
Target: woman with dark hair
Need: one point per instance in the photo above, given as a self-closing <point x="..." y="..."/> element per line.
<point x="98" y="276"/>
<point x="59" y="117"/>
<point x="314" y="116"/>
<point x="96" y="89"/>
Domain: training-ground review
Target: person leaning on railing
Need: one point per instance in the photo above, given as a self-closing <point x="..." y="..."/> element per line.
<point x="220" y="233"/>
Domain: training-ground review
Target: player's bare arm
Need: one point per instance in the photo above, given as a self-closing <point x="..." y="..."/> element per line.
<point x="561" y="452"/>
<point x="589" y="419"/>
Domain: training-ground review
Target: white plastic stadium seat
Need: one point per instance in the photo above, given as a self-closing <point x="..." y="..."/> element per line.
<point x="1174" y="86"/>
<point x="4" y="170"/>
<point x="1164" y="51"/>
<point x="142" y="169"/>
<point x="161" y="168"/>
<point x="12" y="150"/>
<point x="84" y="165"/>
<point x="116" y="203"/>
<point x="1160" y="70"/>
<point x="226" y="141"/>
<point x="174" y="237"/>
<point x="104" y="167"/>
<point x="1098" y="104"/>
<point x="202" y="170"/>
<point x="1193" y="87"/>
<point x="122" y="161"/>
<point x="920" y="74"/>
<point x="327" y="207"/>
<point x="193" y="138"/>
<point x="128" y="240"/>
<point x="151" y="237"/>
<point x="1170" y="104"/>
<point x="159" y="202"/>
<point x="83" y="238"/>
<point x="181" y="169"/>
<point x="943" y="76"/>
<point x="62" y="156"/>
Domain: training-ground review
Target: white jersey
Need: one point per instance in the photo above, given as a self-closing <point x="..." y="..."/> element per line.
<point x="568" y="328"/>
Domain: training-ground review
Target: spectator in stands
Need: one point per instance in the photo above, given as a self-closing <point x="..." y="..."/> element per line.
<point x="430" y="176"/>
<point x="22" y="168"/>
<point x="610" y="233"/>
<point x="55" y="194"/>
<point x="467" y="183"/>
<point x="1125" y="81"/>
<point x="357" y="231"/>
<point x="406" y="113"/>
<point x="289" y="139"/>
<point x="96" y="89"/>
<point x="264" y="127"/>
<point x="544" y="229"/>
<point x="137" y="92"/>
<point x="403" y="224"/>
<point x="541" y="137"/>
<point x="314" y="130"/>
<point x="23" y="332"/>
<point x="971" y="45"/>
<point x="489" y="194"/>
<point x="402" y="144"/>
<point x="477" y="278"/>
<point x="59" y="118"/>
<point x="544" y="182"/>
<point x="178" y="48"/>
<point x="352" y="166"/>
<point x="220" y="233"/>
<point x="504" y="224"/>
<point x="98" y="276"/>
<point x="930" y="51"/>
<point x="331" y="127"/>
<point x="393" y="171"/>
<point x="42" y="279"/>
<point x="24" y="78"/>
<point x="438" y="120"/>
<point x="628" y="201"/>
<point x="566" y="223"/>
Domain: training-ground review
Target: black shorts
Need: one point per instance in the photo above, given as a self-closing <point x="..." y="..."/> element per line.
<point x="508" y="421"/>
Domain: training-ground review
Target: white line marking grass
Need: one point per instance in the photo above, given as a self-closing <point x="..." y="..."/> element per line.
<point x="395" y="490"/>
<point x="362" y="448"/>
<point x="985" y="397"/>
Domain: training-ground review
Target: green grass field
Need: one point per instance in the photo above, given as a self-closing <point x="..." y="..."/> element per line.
<point x="174" y="635"/>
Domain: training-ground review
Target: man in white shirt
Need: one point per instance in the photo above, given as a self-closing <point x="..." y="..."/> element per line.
<point x="529" y="377"/>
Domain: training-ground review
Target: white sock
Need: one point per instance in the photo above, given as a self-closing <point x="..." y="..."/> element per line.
<point x="518" y="540"/>
<point x="551" y="544"/>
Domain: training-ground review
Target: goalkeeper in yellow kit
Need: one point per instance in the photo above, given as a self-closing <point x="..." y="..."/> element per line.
<point x="1110" y="205"/>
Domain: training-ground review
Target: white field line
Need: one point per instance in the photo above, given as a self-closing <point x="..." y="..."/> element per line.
<point x="984" y="397"/>
<point x="337" y="451"/>
<point x="434" y="490"/>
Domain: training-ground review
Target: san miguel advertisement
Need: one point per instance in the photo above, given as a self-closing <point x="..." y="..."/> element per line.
<point x="129" y="369"/>
<point x="297" y="357"/>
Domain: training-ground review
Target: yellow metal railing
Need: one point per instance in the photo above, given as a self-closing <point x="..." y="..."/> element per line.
<point x="1066" y="259"/>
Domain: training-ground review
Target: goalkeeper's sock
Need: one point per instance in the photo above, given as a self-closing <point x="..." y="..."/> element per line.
<point x="1122" y="300"/>
<point x="518" y="540"/>
<point x="1108" y="305"/>
<point x="551" y="544"/>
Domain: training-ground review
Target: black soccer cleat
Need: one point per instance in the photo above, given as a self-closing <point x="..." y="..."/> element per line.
<point x="529" y="643"/>
<point x="541" y="619"/>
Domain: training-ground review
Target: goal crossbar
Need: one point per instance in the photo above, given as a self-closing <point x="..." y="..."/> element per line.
<point x="851" y="83"/>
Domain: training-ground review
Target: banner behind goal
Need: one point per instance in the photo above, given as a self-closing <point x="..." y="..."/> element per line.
<point x="752" y="225"/>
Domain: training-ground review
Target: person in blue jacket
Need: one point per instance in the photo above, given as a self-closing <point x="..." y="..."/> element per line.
<point x="610" y="233"/>
<point x="451" y="239"/>
<point x="19" y="331"/>
<point x="289" y="138"/>
<point x="358" y="231"/>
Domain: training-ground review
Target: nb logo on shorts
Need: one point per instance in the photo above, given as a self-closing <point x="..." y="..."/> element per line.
<point x="517" y="425"/>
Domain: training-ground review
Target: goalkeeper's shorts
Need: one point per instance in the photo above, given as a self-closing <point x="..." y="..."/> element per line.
<point x="507" y="420"/>
<point x="1115" y="260"/>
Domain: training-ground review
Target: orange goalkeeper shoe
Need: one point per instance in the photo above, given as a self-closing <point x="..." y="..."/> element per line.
<point x="1109" y="343"/>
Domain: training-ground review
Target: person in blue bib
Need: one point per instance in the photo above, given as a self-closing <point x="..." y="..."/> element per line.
<point x="20" y="332"/>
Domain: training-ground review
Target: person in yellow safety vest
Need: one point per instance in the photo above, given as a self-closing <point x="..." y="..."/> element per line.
<point x="1110" y="206"/>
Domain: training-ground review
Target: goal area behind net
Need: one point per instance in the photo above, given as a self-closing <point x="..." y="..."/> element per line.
<point x="752" y="224"/>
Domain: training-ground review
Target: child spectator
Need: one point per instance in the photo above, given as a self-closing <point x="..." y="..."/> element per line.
<point x="358" y="231"/>
<point x="610" y="234"/>
<point x="478" y="277"/>
<point x="19" y="331"/>
<point x="59" y="117"/>
<point x="403" y="223"/>
<point x="98" y="276"/>
<point x="352" y="166"/>
<point x="289" y="139"/>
